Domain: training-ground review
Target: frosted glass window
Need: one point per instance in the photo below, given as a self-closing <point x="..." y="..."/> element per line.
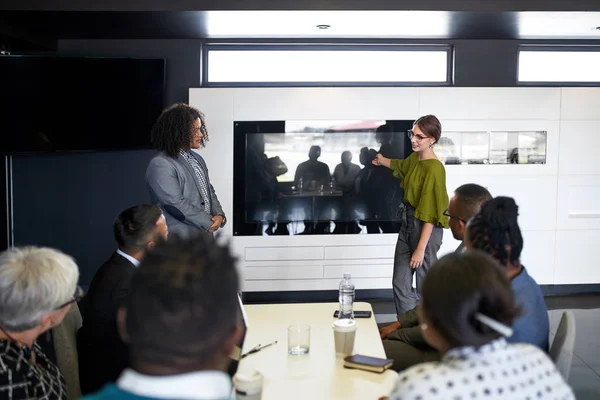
<point x="559" y="66"/>
<point x="492" y="147"/>
<point x="264" y="66"/>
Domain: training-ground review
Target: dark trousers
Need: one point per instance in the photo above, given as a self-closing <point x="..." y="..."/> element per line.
<point x="407" y="347"/>
<point x="405" y="297"/>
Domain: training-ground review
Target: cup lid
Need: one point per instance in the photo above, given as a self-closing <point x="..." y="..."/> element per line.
<point x="345" y="323"/>
<point x="248" y="380"/>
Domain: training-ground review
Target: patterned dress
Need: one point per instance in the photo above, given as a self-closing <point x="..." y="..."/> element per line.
<point x="495" y="371"/>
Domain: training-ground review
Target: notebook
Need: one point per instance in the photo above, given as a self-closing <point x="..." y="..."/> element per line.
<point x="367" y="363"/>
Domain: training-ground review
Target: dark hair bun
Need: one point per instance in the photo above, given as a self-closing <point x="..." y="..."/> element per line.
<point x="500" y="213"/>
<point x="496" y="231"/>
<point x="506" y="205"/>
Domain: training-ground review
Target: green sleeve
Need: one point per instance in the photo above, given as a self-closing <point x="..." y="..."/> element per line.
<point x="401" y="167"/>
<point x="434" y="198"/>
<point x="396" y="167"/>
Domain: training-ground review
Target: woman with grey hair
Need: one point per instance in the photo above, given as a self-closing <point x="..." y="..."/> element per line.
<point x="37" y="288"/>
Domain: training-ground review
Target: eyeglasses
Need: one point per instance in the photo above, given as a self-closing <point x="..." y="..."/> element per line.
<point x="418" y="138"/>
<point x="76" y="297"/>
<point x="447" y="214"/>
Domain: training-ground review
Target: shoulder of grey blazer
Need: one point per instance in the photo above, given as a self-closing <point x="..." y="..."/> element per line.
<point x="162" y="158"/>
<point x="159" y="163"/>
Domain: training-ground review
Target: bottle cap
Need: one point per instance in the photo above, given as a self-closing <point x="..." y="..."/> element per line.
<point x="346" y="275"/>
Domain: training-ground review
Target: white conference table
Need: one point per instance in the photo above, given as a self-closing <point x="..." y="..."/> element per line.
<point x="319" y="374"/>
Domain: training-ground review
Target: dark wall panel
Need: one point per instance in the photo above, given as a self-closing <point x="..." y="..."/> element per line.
<point x="485" y="63"/>
<point x="70" y="201"/>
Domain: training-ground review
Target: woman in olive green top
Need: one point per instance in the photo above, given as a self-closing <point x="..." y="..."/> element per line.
<point x="423" y="178"/>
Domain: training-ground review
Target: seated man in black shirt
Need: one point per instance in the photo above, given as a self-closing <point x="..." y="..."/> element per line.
<point x="313" y="171"/>
<point x="102" y="353"/>
<point x="310" y="176"/>
<point x="345" y="173"/>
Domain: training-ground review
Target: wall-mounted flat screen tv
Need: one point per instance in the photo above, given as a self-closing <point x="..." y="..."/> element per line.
<point x="64" y="104"/>
<point x="316" y="177"/>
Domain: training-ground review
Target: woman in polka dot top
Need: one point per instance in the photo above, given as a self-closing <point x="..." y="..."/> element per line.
<point x="467" y="322"/>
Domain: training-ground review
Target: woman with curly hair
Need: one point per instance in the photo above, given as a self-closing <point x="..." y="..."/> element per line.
<point x="178" y="177"/>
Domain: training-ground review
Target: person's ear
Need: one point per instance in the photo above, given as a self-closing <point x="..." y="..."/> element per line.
<point x="233" y="340"/>
<point x="47" y="322"/>
<point x="122" y="325"/>
<point x="154" y="242"/>
<point x="53" y="318"/>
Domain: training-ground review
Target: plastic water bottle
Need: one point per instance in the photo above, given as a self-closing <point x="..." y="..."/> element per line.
<point x="332" y="185"/>
<point x="346" y="298"/>
<point x="301" y="185"/>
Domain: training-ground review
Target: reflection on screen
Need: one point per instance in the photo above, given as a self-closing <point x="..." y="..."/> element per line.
<point x="317" y="177"/>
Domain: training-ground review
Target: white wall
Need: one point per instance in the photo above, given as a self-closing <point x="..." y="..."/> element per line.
<point x="559" y="201"/>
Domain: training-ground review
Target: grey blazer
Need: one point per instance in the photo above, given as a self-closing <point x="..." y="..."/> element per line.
<point x="175" y="189"/>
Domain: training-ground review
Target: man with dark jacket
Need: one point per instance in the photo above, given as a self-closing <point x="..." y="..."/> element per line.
<point x="102" y="353"/>
<point x="181" y="319"/>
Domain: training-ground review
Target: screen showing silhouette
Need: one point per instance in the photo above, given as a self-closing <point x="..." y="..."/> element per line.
<point x="316" y="177"/>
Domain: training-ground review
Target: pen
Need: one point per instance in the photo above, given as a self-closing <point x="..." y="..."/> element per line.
<point x="258" y="348"/>
<point x="254" y="348"/>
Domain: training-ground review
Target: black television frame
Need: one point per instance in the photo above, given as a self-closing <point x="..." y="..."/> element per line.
<point x="4" y="152"/>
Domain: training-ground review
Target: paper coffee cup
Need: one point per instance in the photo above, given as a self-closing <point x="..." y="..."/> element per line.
<point x="248" y="385"/>
<point x="344" y="334"/>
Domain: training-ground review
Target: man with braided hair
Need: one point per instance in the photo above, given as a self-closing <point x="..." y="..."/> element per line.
<point x="178" y="177"/>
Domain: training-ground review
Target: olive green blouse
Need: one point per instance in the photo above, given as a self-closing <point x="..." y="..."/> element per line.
<point x="424" y="184"/>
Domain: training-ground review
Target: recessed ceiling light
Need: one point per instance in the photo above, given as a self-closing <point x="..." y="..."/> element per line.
<point x="323" y="26"/>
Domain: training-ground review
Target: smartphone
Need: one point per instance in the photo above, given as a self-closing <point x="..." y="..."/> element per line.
<point x="357" y="314"/>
